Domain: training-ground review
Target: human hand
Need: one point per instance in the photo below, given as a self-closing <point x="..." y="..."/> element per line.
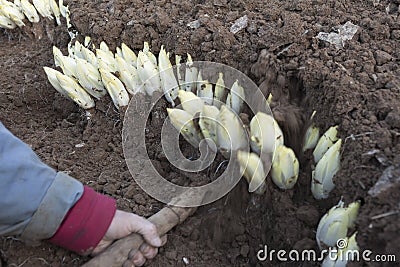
<point x="125" y="223"/>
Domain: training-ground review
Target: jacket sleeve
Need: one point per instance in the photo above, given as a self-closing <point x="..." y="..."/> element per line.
<point x="34" y="198"/>
<point x="38" y="203"/>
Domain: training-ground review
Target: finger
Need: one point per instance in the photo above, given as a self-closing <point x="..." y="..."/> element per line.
<point x="132" y="253"/>
<point x="148" y="251"/>
<point x="163" y="240"/>
<point x="147" y="230"/>
<point x="138" y="259"/>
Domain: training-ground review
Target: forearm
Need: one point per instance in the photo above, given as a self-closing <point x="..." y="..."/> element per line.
<point x="34" y="198"/>
<point x="38" y="203"/>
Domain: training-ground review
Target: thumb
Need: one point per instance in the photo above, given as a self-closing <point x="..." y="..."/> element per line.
<point x="148" y="230"/>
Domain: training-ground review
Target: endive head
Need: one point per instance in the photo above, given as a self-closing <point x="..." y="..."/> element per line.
<point x="128" y="54"/>
<point x="311" y="137"/>
<point x="183" y="122"/>
<point x="252" y="169"/>
<point x="104" y="47"/>
<point x="322" y="177"/>
<point x="57" y="56"/>
<point x="332" y="226"/>
<point x="231" y="135"/>
<point x="325" y="142"/>
<point x="265" y="133"/>
<point x="190" y="102"/>
<point x="285" y="167"/>
<point x="208" y="122"/>
<point x="335" y="223"/>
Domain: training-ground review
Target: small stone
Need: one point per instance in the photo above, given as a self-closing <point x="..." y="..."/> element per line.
<point x="382" y="57"/>
<point x="194" y="24"/>
<point x="393" y="119"/>
<point x="185" y="260"/>
<point x="239" y="24"/>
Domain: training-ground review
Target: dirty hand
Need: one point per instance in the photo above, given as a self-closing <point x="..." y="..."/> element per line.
<point x="125" y="223"/>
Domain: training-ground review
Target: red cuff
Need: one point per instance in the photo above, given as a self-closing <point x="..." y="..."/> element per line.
<point x="86" y="222"/>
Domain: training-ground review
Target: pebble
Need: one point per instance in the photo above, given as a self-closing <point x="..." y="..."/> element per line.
<point x="382" y="57"/>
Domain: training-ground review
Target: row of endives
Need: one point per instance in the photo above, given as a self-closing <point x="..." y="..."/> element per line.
<point x="13" y="14"/>
<point x="88" y="74"/>
<point x="219" y="123"/>
<point x="326" y="156"/>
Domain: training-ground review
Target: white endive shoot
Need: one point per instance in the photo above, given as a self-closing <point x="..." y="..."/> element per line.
<point x="129" y="76"/>
<point x="104" y="47"/>
<point x="236" y="97"/>
<point x="30" y="11"/>
<point x="6" y="23"/>
<point x="148" y="73"/>
<point x="325" y="142"/>
<point x="63" y="9"/>
<point x="219" y="93"/>
<point x="67" y="64"/>
<point x="183" y="122"/>
<point x="115" y="88"/>
<point x="149" y="54"/>
<point x="57" y="54"/>
<point x="253" y="170"/>
<point x="55" y="10"/>
<point x="231" y="135"/>
<point x="311" y="137"/>
<point x="52" y="77"/>
<point x="90" y="79"/>
<point x="205" y="91"/>
<point x="335" y="223"/>
<point x="208" y="123"/>
<point x="322" y="177"/>
<point x="265" y="133"/>
<point x="88" y="42"/>
<point x="285" y="168"/>
<point x="190" y="102"/>
<point x="169" y="84"/>
<point x="75" y="91"/>
<point x="191" y="74"/>
<point x="87" y="54"/>
<point x="13" y="12"/>
<point x="128" y="55"/>
<point x="106" y="61"/>
<point x="343" y="255"/>
<point x="75" y="50"/>
<point x="43" y="7"/>
<point x="178" y="73"/>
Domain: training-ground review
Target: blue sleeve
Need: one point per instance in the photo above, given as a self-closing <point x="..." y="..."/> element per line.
<point x="34" y="198"/>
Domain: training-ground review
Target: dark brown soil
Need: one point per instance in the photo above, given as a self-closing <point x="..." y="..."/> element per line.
<point x="357" y="88"/>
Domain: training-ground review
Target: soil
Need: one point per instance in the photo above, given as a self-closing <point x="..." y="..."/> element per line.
<point x="357" y="88"/>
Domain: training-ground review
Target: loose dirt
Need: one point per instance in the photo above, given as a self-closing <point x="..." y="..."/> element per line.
<point x="357" y="88"/>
